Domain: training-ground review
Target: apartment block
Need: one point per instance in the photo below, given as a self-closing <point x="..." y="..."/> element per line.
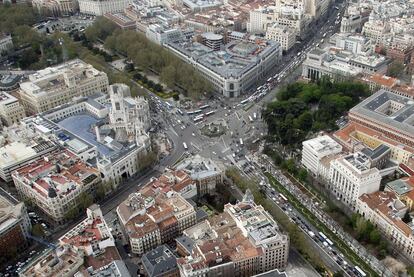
<point x="284" y="35"/>
<point x="6" y="44"/>
<point x="58" y="85"/>
<point x="56" y="7"/>
<point x="153" y="216"/>
<point x="55" y="182"/>
<point x="204" y="172"/>
<point x="385" y="210"/>
<point x="15" y="226"/>
<point x="242" y="241"/>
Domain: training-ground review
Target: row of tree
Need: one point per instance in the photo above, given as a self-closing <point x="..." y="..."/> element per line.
<point x="149" y="57"/>
<point x="303" y="108"/>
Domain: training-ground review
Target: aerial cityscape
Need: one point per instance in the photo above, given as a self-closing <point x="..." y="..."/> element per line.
<point x="204" y="138"/>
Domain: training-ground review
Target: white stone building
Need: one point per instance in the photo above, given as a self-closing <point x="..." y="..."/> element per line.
<point x="11" y="111"/>
<point x="100" y="8"/>
<point x="6" y="44"/>
<point x="314" y="150"/>
<point x="351" y="176"/>
<point x="284" y="35"/>
<point x="58" y="85"/>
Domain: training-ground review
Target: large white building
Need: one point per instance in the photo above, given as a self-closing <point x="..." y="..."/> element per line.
<point x="351" y="176"/>
<point x="11" y="111"/>
<point x="284" y="35"/>
<point x="6" y="44"/>
<point x="58" y="85"/>
<point x="55" y="7"/>
<point x="237" y="67"/>
<point x="100" y="8"/>
<point x="314" y="150"/>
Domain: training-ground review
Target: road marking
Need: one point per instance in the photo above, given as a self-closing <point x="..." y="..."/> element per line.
<point x="174" y="132"/>
<point x="195" y="146"/>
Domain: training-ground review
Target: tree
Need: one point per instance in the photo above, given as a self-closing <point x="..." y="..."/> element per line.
<point x="38" y="230"/>
<point x="374" y="236"/>
<point x="361" y="227"/>
<point x="100" y="29"/>
<point x="302" y="175"/>
<point x="338" y="274"/>
<point x="395" y="69"/>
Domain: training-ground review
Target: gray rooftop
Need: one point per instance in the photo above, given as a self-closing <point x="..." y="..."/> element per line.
<point x="186" y="242"/>
<point x="159" y="262"/>
<point x="399" y="187"/>
<point x="378" y="108"/>
<point x="271" y="273"/>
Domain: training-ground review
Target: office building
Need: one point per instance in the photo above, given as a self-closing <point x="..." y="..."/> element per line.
<point x="351" y="176"/>
<point x="387" y="113"/>
<point x="11" y="111"/>
<point x="284" y="35"/>
<point x="314" y="150"/>
<point x="237" y="67"/>
<point x="100" y="8"/>
<point x="55" y="7"/>
<point x="58" y="85"/>
<point x="15" y="226"/>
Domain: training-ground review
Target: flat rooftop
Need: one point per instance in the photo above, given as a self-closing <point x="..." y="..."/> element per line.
<point x="389" y="109"/>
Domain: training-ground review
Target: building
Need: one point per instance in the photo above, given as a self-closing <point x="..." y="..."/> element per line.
<point x="106" y="131"/>
<point x="385" y="210"/>
<point x="15" y="226"/>
<point x="100" y="8"/>
<point x="161" y="34"/>
<point x="403" y="189"/>
<point x="9" y="82"/>
<point x="63" y="261"/>
<point x="16" y="154"/>
<point x="237" y="67"/>
<point x="11" y="111"/>
<point x="55" y="7"/>
<point x="160" y="262"/>
<point x="92" y="236"/>
<point x="55" y="183"/>
<point x="154" y="216"/>
<point x="314" y="150"/>
<point x="351" y="176"/>
<point x="242" y="241"/>
<point x="284" y="35"/>
<point x="338" y="63"/>
<point x="122" y="20"/>
<point x="58" y="85"/>
<point x="116" y="268"/>
<point x="388" y="113"/>
<point x="205" y="172"/>
<point x="6" y="44"/>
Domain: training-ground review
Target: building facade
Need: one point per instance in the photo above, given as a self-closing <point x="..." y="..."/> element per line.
<point x="58" y="85"/>
<point x="11" y="111"/>
<point x="100" y="8"/>
<point x="6" y="44"/>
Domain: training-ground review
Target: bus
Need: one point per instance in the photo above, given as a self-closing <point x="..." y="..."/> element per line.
<point x="329" y="242"/>
<point x="190" y="113"/>
<point x="204" y="107"/>
<point x="210" y="113"/>
<point x="198" y="119"/>
<point x="359" y="271"/>
<point x="311" y="234"/>
<point x="269" y="80"/>
<point x="283" y="197"/>
<point x="250" y="118"/>
<point x="254" y="115"/>
<point x="168" y="105"/>
<point x="185" y="146"/>
<point x="244" y="101"/>
<point x="198" y="111"/>
<point x="180" y="112"/>
<point x="241" y="141"/>
<point x="323" y="235"/>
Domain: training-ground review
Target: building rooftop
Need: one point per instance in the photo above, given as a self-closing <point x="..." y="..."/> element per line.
<point x="198" y="167"/>
<point x="10" y="213"/>
<point x="159" y="261"/>
<point x="114" y="269"/>
<point x="388" y="109"/>
<point x="233" y="60"/>
<point x="323" y="144"/>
